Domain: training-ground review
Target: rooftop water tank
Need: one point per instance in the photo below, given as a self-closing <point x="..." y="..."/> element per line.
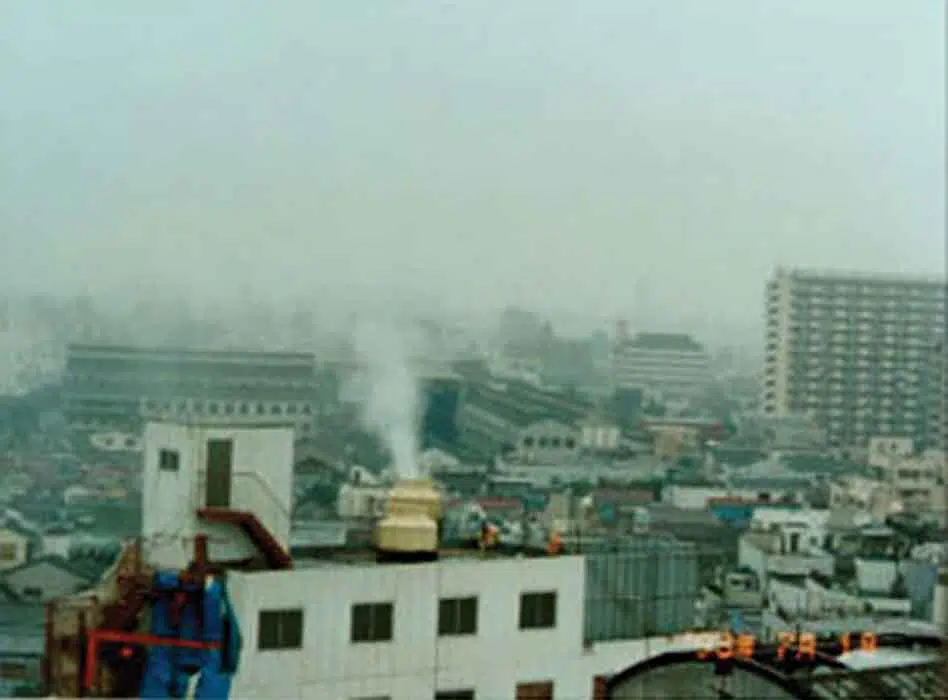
<point x="411" y="528"/>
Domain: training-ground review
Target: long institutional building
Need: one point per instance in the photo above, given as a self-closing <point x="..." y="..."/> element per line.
<point x="863" y="355"/>
<point x="111" y="391"/>
<point x="112" y="387"/>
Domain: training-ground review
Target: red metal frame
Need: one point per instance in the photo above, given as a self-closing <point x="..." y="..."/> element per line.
<point x="95" y="637"/>
<point x="195" y="572"/>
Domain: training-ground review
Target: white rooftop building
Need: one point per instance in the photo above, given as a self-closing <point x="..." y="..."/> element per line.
<point x="194" y="473"/>
<point x="479" y="629"/>
<point x="467" y="625"/>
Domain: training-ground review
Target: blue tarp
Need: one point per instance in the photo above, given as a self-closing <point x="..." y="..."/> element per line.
<point x="739" y="515"/>
<point x="208" y="617"/>
<point x="608" y="513"/>
<point x="738" y="626"/>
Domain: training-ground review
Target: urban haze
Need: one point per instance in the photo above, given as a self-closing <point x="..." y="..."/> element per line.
<point x="319" y="305"/>
<point x="650" y="157"/>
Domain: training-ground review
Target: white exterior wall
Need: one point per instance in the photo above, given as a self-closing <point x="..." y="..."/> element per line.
<point x="697" y="497"/>
<point x="810" y="525"/>
<point x="919" y="481"/>
<point x="940" y="607"/>
<point x="764" y="563"/>
<point x="417" y="662"/>
<point x="693" y="497"/>
<point x="361" y="501"/>
<point x="876" y="576"/>
<point x="600" y="437"/>
<point x="814" y="601"/>
<point x="829" y="602"/>
<point x="882" y="450"/>
<point x="262" y="484"/>
<point x="876" y="497"/>
<point x="672" y="372"/>
<point x="754" y="558"/>
<point x="548" y="441"/>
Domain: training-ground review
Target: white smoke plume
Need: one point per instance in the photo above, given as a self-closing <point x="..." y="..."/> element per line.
<point x="388" y="392"/>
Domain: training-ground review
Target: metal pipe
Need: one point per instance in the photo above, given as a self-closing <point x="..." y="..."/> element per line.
<point x="84" y="655"/>
<point x="200" y="552"/>
<point x="94" y="637"/>
<point x="48" y="654"/>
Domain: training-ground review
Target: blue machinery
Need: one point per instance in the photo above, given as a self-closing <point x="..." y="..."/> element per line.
<point x="198" y="615"/>
<point x="192" y="648"/>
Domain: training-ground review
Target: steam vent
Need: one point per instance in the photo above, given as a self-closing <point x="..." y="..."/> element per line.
<point x="411" y="528"/>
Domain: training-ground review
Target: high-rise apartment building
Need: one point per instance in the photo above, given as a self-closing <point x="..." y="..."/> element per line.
<point x="864" y="355"/>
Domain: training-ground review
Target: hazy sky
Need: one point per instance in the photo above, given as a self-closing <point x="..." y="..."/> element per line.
<point x="597" y="155"/>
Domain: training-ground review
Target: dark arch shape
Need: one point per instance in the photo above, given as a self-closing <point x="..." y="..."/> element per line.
<point x="672" y="658"/>
<point x="767" y="671"/>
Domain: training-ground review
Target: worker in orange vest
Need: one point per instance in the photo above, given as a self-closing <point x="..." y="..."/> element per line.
<point x="488" y="538"/>
<point x="555" y="544"/>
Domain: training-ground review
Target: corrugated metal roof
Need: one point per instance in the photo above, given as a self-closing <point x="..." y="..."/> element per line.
<point x="624" y="496"/>
<point x="885" y="658"/>
<point x="915" y="676"/>
<point x="911" y="681"/>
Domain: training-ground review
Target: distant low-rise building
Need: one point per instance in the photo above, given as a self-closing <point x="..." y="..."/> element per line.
<point x="875" y="497"/>
<point x="791" y="433"/>
<point x="46" y="578"/>
<point x="699" y="430"/>
<point x="672" y="364"/>
<point x="507" y="417"/>
<point x="788" y="548"/>
<point x="698" y="494"/>
<point x="15" y="545"/>
<point x="882" y="451"/>
<point x="361" y="502"/>
<point x="917" y="478"/>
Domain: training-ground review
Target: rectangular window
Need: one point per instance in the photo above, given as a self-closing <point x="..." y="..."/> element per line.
<point x="454" y="695"/>
<point x="371" y="622"/>
<point x="13" y="671"/>
<point x="537" y="610"/>
<point x="457" y="616"/>
<point x="280" y="629"/>
<point x="542" y="690"/>
<point x="8" y="551"/>
<point x="169" y="460"/>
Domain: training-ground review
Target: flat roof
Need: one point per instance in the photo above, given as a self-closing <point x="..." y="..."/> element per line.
<point x="850" y="275"/>
<point x="224" y="424"/>
<point x="324" y="557"/>
<point x="185" y="354"/>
